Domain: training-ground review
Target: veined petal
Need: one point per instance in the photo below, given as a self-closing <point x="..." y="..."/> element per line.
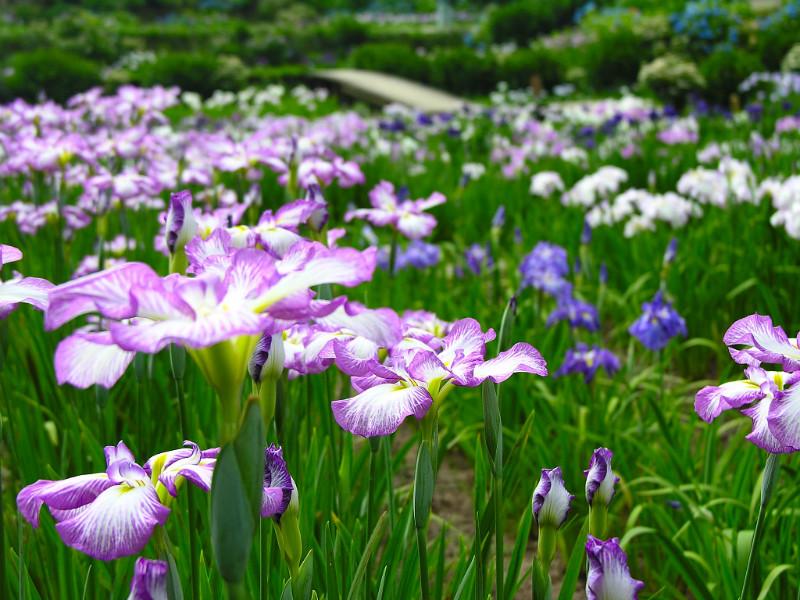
<point x="345" y="266"/>
<point x="355" y="355"/>
<point x="416" y="226"/>
<point x="783" y="418"/>
<point x="67" y="494"/>
<point x="609" y="577"/>
<point x="520" y="358"/>
<point x="763" y="342"/>
<point x="551" y="500"/>
<point x="90" y="358"/>
<point x="761" y="435"/>
<point x="712" y="400"/>
<point x="30" y="290"/>
<point x="9" y="254"/>
<point x="380" y="410"/>
<point x="107" y="292"/>
<point x="117" y="453"/>
<point x="426" y="367"/>
<point x="119" y="522"/>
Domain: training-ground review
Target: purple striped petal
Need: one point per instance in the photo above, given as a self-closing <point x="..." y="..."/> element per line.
<point x="761" y="342"/>
<point x="29" y="290"/>
<point x="9" y="254"/>
<point x="600" y="479"/>
<point x="783" y="418"/>
<point x="90" y="358"/>
<point x="551" y="500"/>
<point x="354" y="356"/>
<point x="520" y="358"/>
<point x="119" y="522"/>
<point x="416" y="226"/>
<point x="609" y="577"/>
<point x="67" y="494"/>
<point x="712" y="400"/>
<point x="380" y="410"/>
<point x="107" y="292"/>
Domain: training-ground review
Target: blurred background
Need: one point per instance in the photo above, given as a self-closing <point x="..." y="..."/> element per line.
<point x="674" y="50"/>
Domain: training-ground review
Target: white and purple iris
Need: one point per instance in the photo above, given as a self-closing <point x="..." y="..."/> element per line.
<point x="600" y="479"/>
<point x="279" y="488"/>
<point x="551" y="500"/>
<point x="114" y="513"/>
<point x="28" y="290"/>
<point x="418" y="376"/>
<point x="770" y="398"/>
<point x="149" y="580"/>
<point x="406" y="216"/>
<point x="609" y="577"/>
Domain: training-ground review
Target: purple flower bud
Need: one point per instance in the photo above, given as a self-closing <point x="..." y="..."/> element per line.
<point x="499" y="218"/>
<point x="181" y="226"/>
<point x="517" y="235"/>
<point x="586" y="233"/>
<point x="600" y="479"/>
<point x="603" y="274"/>
<point x="149" y="580"/>
<point x="278" y="484"/>
<point x="671" y="251"/>
<point x="551" y="499"/>
<point x="267" y="359"/>
<point x="609" y="577"/>
<point x="319" y="218"/>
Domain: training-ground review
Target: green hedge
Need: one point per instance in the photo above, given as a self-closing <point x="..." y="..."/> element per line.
<point x="56" y="73"/>
<point x="724" y="70"/>
<point x="396" y="59"/>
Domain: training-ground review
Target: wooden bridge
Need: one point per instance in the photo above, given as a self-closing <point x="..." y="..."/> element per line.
<point x="379" y="88"/>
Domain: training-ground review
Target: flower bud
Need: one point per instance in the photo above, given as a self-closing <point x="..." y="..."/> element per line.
<point x="551" y="499"/>
<point x="609" y="577"/>
<point x="268" y="358"/>
<point x="600" y="479"/>
<point x="181" y="225"/>
<point x="149" y="580"/>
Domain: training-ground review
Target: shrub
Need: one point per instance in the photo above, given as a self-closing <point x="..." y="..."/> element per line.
<point x="519" y="67"/>
<point x="791" y="62"/>
<point x="705" y="24"/>
<point x="286" y="74"/>
<point x="671" y="77"/>
<point x="463" y="71"/>
<point x="57" y="74"/>
<point x="777" y="34"/>
<point x="724" y="70"/>
<point x="195" y="72"/>
<point x="394" y="59"/>
<point x="522" y="21"/>
<point x="614" y="58"/>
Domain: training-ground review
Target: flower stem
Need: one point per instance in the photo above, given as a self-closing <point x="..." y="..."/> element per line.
<point x="498" y="535"/>
<point x="422" y="546"/>
<point x="374" y="447"/>
<point x="768" y="480"/>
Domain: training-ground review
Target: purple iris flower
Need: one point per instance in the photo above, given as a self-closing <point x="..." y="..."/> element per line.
<point x="577" y="312"/>
<point x="420" y="255"/>
<point x="545" y="268"/>
<point x="551" y="500"/>
<point x="499" y="218"/>
<point x="603" y="275"/>
<point x="418" y="375"/>
<point x="29" y="290"/>
<point x="477" y="257"/>
<point x="149" y="580"/>
<point x="588" y="360"/>
<point x="390" y="209"/>
<point x="658" y="324"/>
<point x="609" y="577"/>
<point x="600" y="479"/>
<point x="113" y="514"/>
<point x="586" y="233"/>
<point x="180" y="226"/>
<point x="671" y="251"/>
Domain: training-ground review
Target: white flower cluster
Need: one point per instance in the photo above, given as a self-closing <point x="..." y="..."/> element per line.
<point x="597" y="186"/>
<point x="786" y="201"/>
<point x="733" y="180"/>
<point x="641" y="210"/>
<point x="546" y="183"/>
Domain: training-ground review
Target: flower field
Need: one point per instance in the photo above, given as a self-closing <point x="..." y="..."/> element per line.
<point x="264" y="345"/>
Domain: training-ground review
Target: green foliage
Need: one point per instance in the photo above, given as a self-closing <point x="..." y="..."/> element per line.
<point x="518" y="68"/>
<point x="614" y="58"/>
<point x="396" y="59"/>
<point x="463" y="71"/>
<point x="671" y="77"/>
<point x="724" y="70"/>
<point x="196" y="72"/>
<point x="775" y="41"/>
<point x="58" y="74"/>
<point x="521" y="21"/>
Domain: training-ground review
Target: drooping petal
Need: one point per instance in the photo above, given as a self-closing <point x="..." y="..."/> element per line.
<point x="355" y="355"/>
<point x="9" y="254"/>
<point x="119" y="522"/>
<point x="149" y="580"/>
<point x="712" y="400"/>
<point x="416" y="226"/>
<point x="90" y="358"/>
<point x="107" y="292"/>
<point x="29" y="290"/>
<point x="520" y="358"/>
<point x="380" y="410"/>
<point x="67" y="494"/>
<point x="761" y="342"/>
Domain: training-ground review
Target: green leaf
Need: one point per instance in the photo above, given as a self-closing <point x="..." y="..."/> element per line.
<point x="301" y="587"/>
<point x="236" y="492"/>
<point x="518" y="554"/>
<point x="174" y="589"/>
<point x="771" y="578"/>
<point x="574" y="563"/>
<point x="369" y="551"/>
<point x="423" y="485"/>
<point x="493" y="427"/>
<point x="507" y="324"/>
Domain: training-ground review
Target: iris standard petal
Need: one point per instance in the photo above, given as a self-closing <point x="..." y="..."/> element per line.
<point x="381" y="409"/>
